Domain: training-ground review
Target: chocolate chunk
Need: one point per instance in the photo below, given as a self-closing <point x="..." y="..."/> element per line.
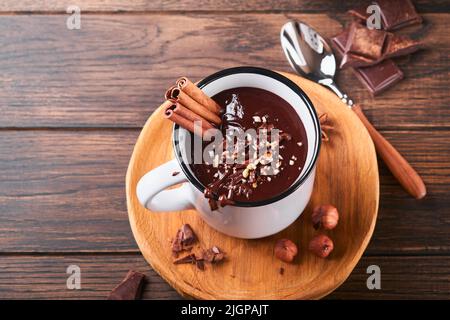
<point x="400" y="45"/>
<point x="396" y="14"/>
<point x="339" y="42"/>
<point x="184" y="239"/>
<point x="365" y="42"/>
<point x="379" y="77"/>
<point x="359" y="13"/>
<point x="376" y="78"/>
<point x="213" y="255"/>
<point x="190" y="258"/>
<point x="130" y="288"/>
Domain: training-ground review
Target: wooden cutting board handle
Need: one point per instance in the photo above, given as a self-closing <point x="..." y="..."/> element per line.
<point x="400" y="168"/>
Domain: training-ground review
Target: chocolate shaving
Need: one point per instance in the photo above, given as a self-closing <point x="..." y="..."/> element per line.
<point x="190" y="258"/>
<point x="225" y="201"/>
<point x="235" y="180"/>
<point x="130" y="288"/>
<point x="184" y="239"/>
<point x="175" y="173"/>
<point x="213" y="204"/>
<point x="200" y="263"/>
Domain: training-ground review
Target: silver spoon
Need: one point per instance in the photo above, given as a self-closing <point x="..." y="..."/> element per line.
<point x="311" y="56"/>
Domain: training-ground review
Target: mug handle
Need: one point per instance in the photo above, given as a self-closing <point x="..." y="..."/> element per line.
<point x="151" y="187"/>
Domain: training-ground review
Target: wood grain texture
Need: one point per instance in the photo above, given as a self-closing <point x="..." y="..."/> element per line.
<point x="113" y="72"/>
<point x="44" y="277"/>
<point x="406" y="175"/>
<point x="203" y="5"/>
<point x="349" y="159"/>
<point x="64" y="191"/>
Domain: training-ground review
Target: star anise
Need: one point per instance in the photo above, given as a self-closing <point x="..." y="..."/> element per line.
<point x="326" y="126"/>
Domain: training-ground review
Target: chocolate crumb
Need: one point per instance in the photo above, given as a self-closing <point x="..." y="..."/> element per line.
<point x="213" y="255"/>
<point x="184" y="239"/>
<point x="175" y="173"/>
<point x="281" y="270"/>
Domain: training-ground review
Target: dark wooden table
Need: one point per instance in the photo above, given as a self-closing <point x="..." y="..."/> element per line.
<point x="72" y="103"/>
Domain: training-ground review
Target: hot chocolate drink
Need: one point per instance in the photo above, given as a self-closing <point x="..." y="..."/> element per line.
<point x="269" y="158"/>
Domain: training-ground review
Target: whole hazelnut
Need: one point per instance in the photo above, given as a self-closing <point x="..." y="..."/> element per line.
<point x="321" y="246"/>
<point x="325" y="216"/>
<point x="285" y="250"/>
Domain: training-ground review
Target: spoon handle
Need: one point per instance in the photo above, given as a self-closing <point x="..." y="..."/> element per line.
<point x="400" y="168"/>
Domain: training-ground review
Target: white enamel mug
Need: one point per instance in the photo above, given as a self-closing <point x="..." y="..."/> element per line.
<point x="247" y="219"/>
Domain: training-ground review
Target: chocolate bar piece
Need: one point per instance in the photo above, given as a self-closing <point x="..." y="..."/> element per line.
<point x="400" y="45"/>
<point x="366" y="47"/>
<point x="365" y="42"/>
<point x="376" y="78"/>
<point x="363" y="47"/>
<point x="396" y="14"/>
<point x="379" y="77"/>
<point x="130" y="288"/>
<point x="359" y="13"/>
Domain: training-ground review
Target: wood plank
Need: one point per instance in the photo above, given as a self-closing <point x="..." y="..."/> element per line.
<point x="113" y="72"/>
<point x="203" y="5"/>
<point x="64" y="190"/>
<point x="44" y="277"/>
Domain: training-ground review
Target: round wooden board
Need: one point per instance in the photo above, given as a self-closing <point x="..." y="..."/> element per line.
<point x="347" y="176"/>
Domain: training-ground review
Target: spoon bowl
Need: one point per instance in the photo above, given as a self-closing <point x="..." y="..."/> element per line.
<point x="310" y="55"/>
<point x="307" y="52"/>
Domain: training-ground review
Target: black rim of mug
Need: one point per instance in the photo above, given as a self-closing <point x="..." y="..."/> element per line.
<point x="295" y="88"/>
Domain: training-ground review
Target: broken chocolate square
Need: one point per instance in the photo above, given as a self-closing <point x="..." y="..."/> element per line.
<point x="396" y="14"/>
<point x="359" y="13"/>
<point x="379" y="77"/>
<point x="130" y="288"/>
<point x="400" y="45"/>
<point x="365" y="42"/>
<point x="376" y="78"/>
<point x="184" y="239"/>
<point x="358" y="48"/>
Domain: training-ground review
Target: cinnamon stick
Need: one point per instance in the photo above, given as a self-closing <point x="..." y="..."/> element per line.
<point x="178" y="95"/>
<point x="198" y="95"/>
<point x="186" y="118"/>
